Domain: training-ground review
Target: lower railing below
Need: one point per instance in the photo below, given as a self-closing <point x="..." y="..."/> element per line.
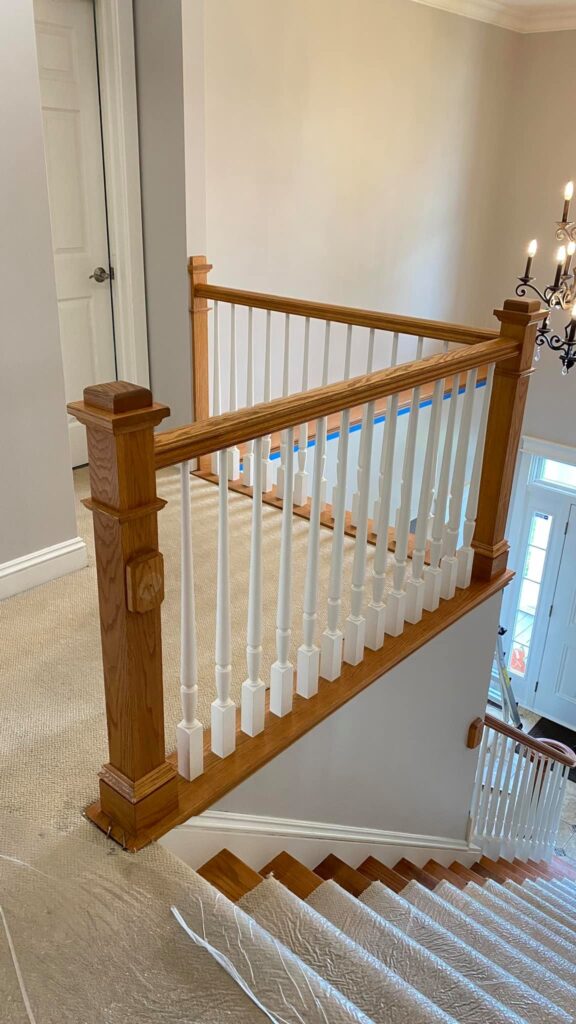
<point x="518" y="792"/>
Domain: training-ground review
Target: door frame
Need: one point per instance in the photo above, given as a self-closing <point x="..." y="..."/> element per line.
<point x="119" y="111"/>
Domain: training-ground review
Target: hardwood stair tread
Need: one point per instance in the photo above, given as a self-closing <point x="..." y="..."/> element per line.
<point x="230" y="875"/>
<point x="332" y="867"/>
<point x="504" y="872"/>
<point x="467" y="873"/>
<point x="533" y="874"/>
<point x="374" y="870"/>
<point x="295" y="876"/>
<point x="442" y="874"/>
<point x="411" y="872"/>
<point x="562" y="870"/>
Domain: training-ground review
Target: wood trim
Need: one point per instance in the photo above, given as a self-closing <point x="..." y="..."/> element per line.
<point x="198" y="270"/>
<point x="223" y="774"/>
<point x="349" y="315"/>
<point x="538" y="746"/>
<point x="475" y="734"/>
<point x="233" y="428"/>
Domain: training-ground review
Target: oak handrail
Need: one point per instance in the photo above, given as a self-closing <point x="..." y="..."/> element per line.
<point x="233" y="428"/>
<point x="419" y="327"/>
<point x="538" y="746"/>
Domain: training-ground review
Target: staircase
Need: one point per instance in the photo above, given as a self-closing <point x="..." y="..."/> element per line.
<point x="495" y="942"/>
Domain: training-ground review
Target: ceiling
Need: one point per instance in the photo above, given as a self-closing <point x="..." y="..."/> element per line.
<point x="519" y="15"/>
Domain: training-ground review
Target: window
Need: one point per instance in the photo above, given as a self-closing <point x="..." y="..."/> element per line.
<point x="530" y="583"/>
<point x="559" y="473"/>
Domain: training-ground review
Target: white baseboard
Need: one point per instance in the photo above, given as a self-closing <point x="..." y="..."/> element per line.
<point x="256" y="839"/>
<point x="42" y="566"/>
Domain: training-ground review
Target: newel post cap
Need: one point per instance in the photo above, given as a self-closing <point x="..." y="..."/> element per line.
<point x="521" y="312"/>
<point x="118" y="405"/>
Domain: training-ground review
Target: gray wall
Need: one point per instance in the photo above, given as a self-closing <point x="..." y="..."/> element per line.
<point x="36" y="496"/>
<point x="158" y="42"/>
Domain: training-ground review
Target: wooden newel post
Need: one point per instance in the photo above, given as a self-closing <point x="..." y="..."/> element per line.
<point x="137" y="786"/>
<point x="198" y="270"/>
<point x="519" y="319"/>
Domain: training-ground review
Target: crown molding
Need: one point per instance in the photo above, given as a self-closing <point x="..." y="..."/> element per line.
<point x="523" y="18"/>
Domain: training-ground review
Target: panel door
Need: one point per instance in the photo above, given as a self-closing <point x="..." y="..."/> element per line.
<point x="555" y="697"/>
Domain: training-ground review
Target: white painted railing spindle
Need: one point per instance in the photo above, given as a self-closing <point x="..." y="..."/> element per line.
<point x="391" y="410"/>
<point x="449" y="562"/>
<point x="415" y="585"/>
<point x="308" y="665"/>
<point x="216" y="400"/>
<point x="189" y="732"/>
<point x="253" y="689"/>
<point x="248" y="457"/>
<point x="355" y="625"/>
<point x="301" y="477"/>
<point x="282" y="672"/>
<point x="465" y="554"/>
<point x="223" y="711"/>
<point x="281" y="475"/>
<point x="433" y="572"/>
<point x="333" y="637"/>
<point x="234" y="452"/>
<point x="267" y="440"/>
<point x="376" y="610"/>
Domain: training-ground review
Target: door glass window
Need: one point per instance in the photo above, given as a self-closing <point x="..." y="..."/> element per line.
<point x="531" y="580"/>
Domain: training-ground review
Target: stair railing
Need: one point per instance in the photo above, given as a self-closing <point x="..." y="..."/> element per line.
<point x="518" y="792"/>
<point x="142" y="792"/>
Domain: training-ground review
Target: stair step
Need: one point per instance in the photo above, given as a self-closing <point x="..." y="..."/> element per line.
<point x="375" y="871"/>
<point x="502" y="871"/>
<point x="230" y="875"/>
<point x="442" y="874"/>
<point x="542" y="867"/>
<point x="558" y="865"/>
<point x="295" y="876"/>
<point x="526" y="869"/>
<point x="413" y="873"/>
<point x="466" y="873"/>
<point x="333" y="868"/>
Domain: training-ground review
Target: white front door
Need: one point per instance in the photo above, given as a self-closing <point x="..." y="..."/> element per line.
<point x="555" y="696"/>
<point x="67" y="66"/>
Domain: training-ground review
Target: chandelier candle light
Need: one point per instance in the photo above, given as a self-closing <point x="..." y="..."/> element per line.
<point x="561" y="294"/>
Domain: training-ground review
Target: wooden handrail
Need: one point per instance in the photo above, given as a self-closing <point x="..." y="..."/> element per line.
<point x="233" y="428"/>
<point x="420" y="328"/>
<point x="538" y="746"/>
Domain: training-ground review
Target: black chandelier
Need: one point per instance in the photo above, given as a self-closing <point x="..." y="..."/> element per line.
<point x="561" y="294"/>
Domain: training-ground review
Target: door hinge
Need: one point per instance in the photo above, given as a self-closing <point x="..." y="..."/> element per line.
<point x="113" y="275"/>
<point x="550" y="612"/>
<point x="537" y="685"/>
<point x="566" y="527"/>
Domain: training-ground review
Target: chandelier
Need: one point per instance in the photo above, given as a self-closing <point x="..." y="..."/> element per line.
<point x="561" y="294"/>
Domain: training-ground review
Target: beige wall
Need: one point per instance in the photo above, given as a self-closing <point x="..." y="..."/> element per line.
<point x="36" y="497"/>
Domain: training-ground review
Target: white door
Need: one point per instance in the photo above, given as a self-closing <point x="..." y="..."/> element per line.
<point x="66" y="46"/>
<point x="555" y="696"/>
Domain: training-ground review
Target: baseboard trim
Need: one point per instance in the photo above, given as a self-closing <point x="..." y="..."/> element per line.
<point x="256" y="839"/>
<point x="41" y="566"/>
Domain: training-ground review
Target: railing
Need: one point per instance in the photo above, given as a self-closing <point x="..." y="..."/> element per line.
<point x="518" y="792"/>
<point x="341" y="641"/>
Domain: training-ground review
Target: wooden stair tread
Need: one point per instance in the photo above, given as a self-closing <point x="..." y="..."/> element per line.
<point x="467" y="873"/>
<point x="355" y="882"/>
<point x="563" y="870"/>
<point x="526" y="870"/>
<point x="294" y="875"/>
<point x="442" y="874"/>
<point x="230" y="875"/>
<point x="411" y="872"/>
<point x="504" y="872"/>
<point x="375" y="871"/>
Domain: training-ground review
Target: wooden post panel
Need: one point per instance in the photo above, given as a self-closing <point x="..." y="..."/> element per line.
<point x="519" y="319"/>
<point x="198" y="270"/>
<point x="137" y="786"/>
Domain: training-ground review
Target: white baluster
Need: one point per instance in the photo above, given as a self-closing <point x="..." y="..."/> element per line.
<point x="355" y="625"/>
<point x="507" y="828"/>
<point x="419" y="350"/>
<point x="189" y="732"/>
<point x="356" y="496"/>
<point x="505" y="797"/>
<point x="558" y="808"/>
<point x="415" y="585"/>
<point x="477" y="791"/>
<point x="549" y="835"/>
<point x="543" y="812"/>
<point x="281" y="475"/>
<point x="333" y="637"/>
<point x="248" y="457"/>
<point x="396" y="602"/>
<point x="216" y="402"/>
<point x="527" y="807"/>
<point x="234" y="452"/>
<point x="253" y="689"/>
<point x="487" y="783"/>
<point x="267" y="440"/>
<point x="325" y="369"/>
<point x="223" y="711"/>
<point x="465" y="554"/>
<point x="496" y="785"/>
<point x="308" y="665"/>
<point x="282" y="672"/>
<point x="524" y="794"/>
<point x="376" y="512"/>
<point x="433" y="572"/>
<point x="376" y="610"/>
<point x="301" y="478"/>
<point x="449" y="562"/>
